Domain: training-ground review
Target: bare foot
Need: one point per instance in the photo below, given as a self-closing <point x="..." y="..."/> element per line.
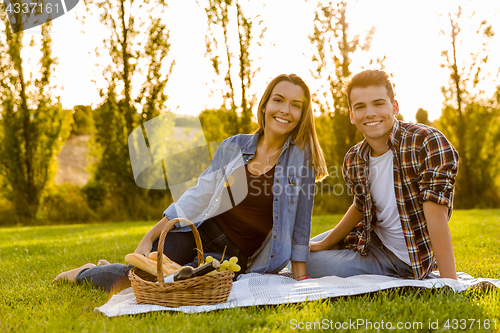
<point x="71" y="275"/>
<point x="102" y="262"/>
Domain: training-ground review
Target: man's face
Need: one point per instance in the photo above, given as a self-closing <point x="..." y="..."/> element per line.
<point x="373" y="112"/>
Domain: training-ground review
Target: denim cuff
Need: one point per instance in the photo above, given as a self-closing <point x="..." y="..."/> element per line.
<point x="300" y="253"/>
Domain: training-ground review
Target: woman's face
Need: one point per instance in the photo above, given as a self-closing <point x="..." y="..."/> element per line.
<point x="284" y="108"/>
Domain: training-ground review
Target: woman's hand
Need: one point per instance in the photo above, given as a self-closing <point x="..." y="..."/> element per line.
<point x="146" y="243"/>
<point x="144" y="247"/>
<point x="316" y="246"/>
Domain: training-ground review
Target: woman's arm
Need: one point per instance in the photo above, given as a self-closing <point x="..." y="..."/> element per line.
<point x="299" y="270"/>
<point x="153" y="234"/>
<point x="348" y="222"/>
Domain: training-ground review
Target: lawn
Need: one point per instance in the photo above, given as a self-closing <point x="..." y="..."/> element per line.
<point x="30" y="257"/>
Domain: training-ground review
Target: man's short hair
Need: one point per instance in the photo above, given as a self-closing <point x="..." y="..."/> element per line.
<point x="369" y="78"/>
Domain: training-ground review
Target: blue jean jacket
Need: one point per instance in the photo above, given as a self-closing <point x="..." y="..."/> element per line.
<point x="293" y="195"/>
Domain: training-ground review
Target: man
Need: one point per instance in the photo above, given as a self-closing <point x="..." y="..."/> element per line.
<point x="402" y="177"/>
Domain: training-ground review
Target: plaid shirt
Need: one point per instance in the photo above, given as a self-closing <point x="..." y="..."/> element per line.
<point x="425" y="165"/>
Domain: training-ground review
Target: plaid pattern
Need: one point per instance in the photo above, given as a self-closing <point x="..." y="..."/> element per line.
<point x="425" y="166"/>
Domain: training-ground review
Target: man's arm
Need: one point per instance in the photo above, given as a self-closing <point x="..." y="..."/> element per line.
<point x="348" y="222"/>
<point x="436" y="216"/>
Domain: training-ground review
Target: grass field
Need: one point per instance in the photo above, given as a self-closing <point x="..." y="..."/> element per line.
<point x="30" y="257"/>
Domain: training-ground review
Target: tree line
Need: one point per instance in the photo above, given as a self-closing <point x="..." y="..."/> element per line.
<point x="34" y="126"/>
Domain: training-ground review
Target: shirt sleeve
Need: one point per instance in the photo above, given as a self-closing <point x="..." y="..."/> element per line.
<point x="302" y="227"/>
<point x="438" y="169"/>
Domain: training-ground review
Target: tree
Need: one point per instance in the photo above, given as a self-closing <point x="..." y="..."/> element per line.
<point x="83" y="122"/>
<point x="468" y="118"/>
<point x="138" y="46"/>
<point x="238" y="63"/>
<point x="335" y="49"/>
<point x="34" y="125"/>
<point x="422" y="117"/>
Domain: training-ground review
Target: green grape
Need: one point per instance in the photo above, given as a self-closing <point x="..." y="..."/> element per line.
<point x="233" y="259"/>
<point x="225" y="264"/>
<point x="234" y="267"/>
<point x="222" y="269"/>
<point x="209" y="259"/>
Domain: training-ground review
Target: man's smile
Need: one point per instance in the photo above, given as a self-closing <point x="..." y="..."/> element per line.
<point x="373" y="123"/>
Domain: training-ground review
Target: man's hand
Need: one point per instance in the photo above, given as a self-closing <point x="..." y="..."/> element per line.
<point x="436" y="217"/>
<point x="316" y="246"/>
<point x="342" y="229"/>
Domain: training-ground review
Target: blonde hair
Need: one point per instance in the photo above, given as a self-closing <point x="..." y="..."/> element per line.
<point x="305" y="132"/>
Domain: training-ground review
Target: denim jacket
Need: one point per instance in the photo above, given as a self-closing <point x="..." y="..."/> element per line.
<point x="293" y="195"/>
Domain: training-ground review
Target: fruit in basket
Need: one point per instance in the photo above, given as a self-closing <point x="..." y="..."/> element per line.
<point x="233" y="259"/>
<point x="229" y="265"/>
<point x="209" y="259"/>
<point x="234" y="267"/>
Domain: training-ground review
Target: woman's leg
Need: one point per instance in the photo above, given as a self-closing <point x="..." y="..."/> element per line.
<point x="112" y="277"/>
<point x="71" y="275"/>
<point x="262" y="258"/>
<point x="179" y="247"/>
<point x="215" y="242"/>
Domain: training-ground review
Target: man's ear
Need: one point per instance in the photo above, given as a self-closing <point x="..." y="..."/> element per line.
<point x="395" y="106"/>
<point x="350" y="117"/>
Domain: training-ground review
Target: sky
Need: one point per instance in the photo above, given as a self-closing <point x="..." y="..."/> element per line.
<point x="407" y="33"/>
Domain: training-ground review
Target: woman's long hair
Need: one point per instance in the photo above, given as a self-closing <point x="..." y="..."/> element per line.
<point x="304" y="132"/>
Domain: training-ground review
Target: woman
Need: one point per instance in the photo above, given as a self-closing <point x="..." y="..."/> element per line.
<point x="257" y="185"/>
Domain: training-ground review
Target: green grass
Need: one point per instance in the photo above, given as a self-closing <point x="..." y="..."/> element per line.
<point x="30" y="257"/>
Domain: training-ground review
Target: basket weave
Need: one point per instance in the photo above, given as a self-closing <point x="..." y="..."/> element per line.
<point x="200" y="290"/>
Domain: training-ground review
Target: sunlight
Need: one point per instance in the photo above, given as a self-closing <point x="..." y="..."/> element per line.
<point x="407" y="33"/>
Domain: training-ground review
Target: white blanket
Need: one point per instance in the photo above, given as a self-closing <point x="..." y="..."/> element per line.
<point x="259" y="289"/>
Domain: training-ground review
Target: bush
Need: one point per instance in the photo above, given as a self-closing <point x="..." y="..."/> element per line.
<point x="67" y="204"/>
<point x="83" y="121"/>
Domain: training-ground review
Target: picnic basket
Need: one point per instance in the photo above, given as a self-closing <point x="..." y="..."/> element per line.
<point x="200" y="290"/>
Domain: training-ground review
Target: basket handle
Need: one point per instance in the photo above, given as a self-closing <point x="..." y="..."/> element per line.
<point x="169" y="226"/>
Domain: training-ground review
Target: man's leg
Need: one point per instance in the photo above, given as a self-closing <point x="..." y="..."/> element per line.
<point x="345" y="263"/>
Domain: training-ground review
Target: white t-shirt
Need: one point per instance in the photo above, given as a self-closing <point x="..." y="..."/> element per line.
<point x="388" y="227"/>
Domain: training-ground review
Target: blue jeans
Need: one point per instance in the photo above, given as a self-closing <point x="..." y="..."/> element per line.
<point x="344" y="263"/>
<point x="179" y="247"/>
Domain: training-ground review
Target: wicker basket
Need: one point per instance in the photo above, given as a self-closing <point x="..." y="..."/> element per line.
<point x="200" y="290"/>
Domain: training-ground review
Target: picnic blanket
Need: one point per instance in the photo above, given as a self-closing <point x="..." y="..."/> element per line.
<point x="261" y="289"/>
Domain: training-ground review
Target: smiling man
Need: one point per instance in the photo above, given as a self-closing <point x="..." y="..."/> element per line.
<point x="403" y="179"/>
